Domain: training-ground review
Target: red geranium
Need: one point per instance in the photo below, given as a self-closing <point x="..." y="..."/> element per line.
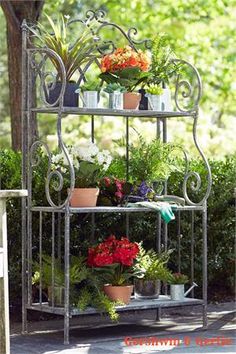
<point x="117" y="253"/>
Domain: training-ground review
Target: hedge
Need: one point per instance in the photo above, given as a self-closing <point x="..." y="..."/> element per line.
<point x="221" y="224"/>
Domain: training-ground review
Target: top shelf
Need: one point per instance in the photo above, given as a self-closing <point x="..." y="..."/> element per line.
<point x="112" y="112"/>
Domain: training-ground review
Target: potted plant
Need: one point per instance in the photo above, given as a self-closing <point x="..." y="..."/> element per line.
<point x="129" y="68"/>
<point x="150" y="270"/>
<point x="154" y="95"/>
<point x="56" y="290"/>
<point x="73" y="53"/>
<point x="89" y="94"/>
<point x="89" y="164"/>
<point x="177" y="281"/>
<point x="113" y="259"/>
<point x="113" y="191"/>
<point x="115" y="91"/>
<point x="162" y="68"/>
<point x="152" y="163"/>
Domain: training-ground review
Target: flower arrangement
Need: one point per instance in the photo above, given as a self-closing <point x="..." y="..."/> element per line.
<point x="113" y="190"/>
<point x="88" y="161"/>
<point x="125" y="66"/>
<point x="113" y="260"/>
<point x="177" y="278"/>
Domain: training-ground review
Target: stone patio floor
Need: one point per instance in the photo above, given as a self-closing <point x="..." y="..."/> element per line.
<point x="179" y="331"/>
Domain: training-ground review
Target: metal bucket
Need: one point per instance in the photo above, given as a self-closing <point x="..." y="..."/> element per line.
<point x="177" y="292"/>
<point x="146" y="289"/>
<point x="115" y="100"/>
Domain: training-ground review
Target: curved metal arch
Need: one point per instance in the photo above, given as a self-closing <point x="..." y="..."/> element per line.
<point x="187" y="88"/>
<point x="39" y="69"/>
<point x="34" y="160"/>
<point x="196" y="185"/>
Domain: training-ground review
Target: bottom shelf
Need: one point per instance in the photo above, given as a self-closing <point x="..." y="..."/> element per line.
<point x="135" y="304"/>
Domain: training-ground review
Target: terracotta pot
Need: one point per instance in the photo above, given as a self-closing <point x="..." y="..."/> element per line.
<point x="121" y="293"/>
<point x="84" y="197"/>
<point x="131" y="100"/>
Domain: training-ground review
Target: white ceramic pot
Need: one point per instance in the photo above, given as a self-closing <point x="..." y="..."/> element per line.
<point x="154" y="102"/>
<point x="166" y="104"/>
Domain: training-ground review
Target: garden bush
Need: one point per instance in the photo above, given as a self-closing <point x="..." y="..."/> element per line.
<point x="221" y="224"/>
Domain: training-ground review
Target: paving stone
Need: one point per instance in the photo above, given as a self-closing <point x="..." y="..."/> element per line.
<point x="110" y="339"/>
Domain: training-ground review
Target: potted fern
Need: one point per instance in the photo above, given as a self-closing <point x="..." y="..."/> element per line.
<point x="161" y="70"/>
<point x="73" y="53"/>
<point x="150" y="269"/>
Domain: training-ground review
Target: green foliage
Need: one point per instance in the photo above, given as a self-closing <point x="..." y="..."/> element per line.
<point x="73" y="53"/>
<point x="154" y="89"/>
<point x="90" y="86"/>
<point x="152" y="266"/>
<point x="221" y="223"/>
<point x="152" y="161"/>
<point x="162" y="68"/>
<point x="113" y="87"/>
<point x="115" y="274"/>
<point x="129" y="77"/>
<point x="177" y="278"/>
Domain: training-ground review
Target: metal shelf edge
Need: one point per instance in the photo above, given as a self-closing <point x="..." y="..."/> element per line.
<point x="112" y="112"/>
<point x="163" y="301"/>
<point x="103" y="209"/>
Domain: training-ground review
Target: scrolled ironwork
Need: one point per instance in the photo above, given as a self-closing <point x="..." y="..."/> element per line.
<point x="186" y="90"/>
<point x="52" y="174"/>
<point x="39" y="69"/>
<point x="194" y="177"/>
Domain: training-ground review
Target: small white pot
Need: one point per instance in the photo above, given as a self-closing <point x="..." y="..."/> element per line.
<point x="166" y="104"/>
<point x="154" y="102"/>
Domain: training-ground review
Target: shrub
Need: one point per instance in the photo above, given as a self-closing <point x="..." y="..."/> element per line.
<point x="221" y="221"/>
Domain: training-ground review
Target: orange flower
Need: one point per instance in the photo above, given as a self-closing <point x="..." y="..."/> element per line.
<point x="123" y="58"/>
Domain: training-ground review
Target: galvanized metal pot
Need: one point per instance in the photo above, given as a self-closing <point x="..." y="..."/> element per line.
<point x="154" y="102"/>
<point x="90" y="99"/>
<point x="177" y="292"/>
<point x="115" y="100"/>
<point x="146" y="289"/>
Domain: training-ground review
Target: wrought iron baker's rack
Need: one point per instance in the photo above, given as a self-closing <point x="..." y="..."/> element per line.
<point x="187" y="96"/>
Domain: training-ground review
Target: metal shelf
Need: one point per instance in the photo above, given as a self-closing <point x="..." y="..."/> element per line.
<point x="135" y="304"/>
<point x="108" y="209"/>
<point x="112" y="112"/>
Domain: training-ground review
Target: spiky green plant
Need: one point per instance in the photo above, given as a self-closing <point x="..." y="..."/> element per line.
<point x="73" y="53"/>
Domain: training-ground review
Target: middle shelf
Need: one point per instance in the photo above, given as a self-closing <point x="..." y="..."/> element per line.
<point x="135" y="304"/>
<point x="111" y="209"/>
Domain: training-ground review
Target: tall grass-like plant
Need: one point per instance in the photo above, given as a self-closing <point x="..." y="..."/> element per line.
<point x="73" y="54"/>
<point x="162" y="66"/>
